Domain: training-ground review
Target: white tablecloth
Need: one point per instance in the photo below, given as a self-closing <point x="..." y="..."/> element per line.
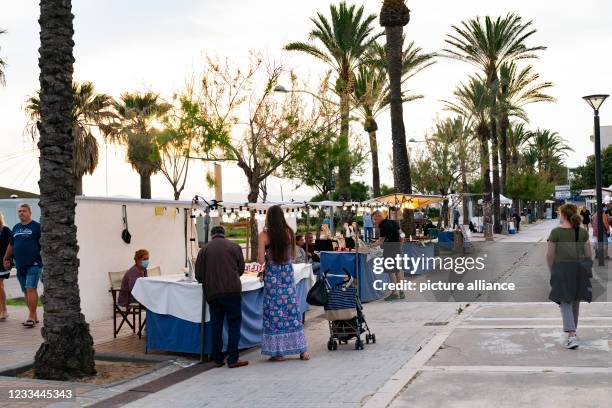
<point x="167" y="295"/>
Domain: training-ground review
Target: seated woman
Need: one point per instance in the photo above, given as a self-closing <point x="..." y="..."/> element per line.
<point x="139" y="270"/>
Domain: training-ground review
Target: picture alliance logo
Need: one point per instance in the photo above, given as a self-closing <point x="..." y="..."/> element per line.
<point x="411" y="264"/>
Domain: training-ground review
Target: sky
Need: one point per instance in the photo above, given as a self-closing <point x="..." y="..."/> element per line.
<point x="155" y="45"/>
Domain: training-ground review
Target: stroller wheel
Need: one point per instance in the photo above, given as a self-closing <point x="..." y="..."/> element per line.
<point x="367" y="339"/>
<point x="330" y="345"/>
<point x="358" y="344"/>
<point x="335" y="345"/>
<point x="373" y="337"/>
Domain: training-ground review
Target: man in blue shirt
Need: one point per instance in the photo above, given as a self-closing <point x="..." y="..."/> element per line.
<point x="25" y="249"/>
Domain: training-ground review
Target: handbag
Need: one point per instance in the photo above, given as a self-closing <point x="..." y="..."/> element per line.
<point x="585" y="272"/>
<point x="317" y="295"/>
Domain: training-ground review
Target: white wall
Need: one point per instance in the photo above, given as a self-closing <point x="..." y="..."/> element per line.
<point x="101" y="249"/>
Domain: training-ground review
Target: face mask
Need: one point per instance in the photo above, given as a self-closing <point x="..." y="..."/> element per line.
<point x="144" y="264"/>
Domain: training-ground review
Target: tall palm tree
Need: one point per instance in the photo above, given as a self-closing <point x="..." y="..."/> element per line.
<point x="89" y="110"/>
<point x="488" y="44"/>
<point x="517" y="89"/>
<point x="344" y="39"/>
<point x="137" y="114"/>
<point x="67" y="350"/>
<point x="2" y="64"/>
<point x="548" y="147"/>
<point x="473" y="103"/>
<point x="371" y="91"/>
<point x="394" y="15"/>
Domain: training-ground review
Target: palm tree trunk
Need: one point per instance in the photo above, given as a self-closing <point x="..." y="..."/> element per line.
<point x="375" y="169"/>
<point x="145" y="186"/>
<point x="496" y="183"/>
<point x="344" y="167"/>
<point x="401" y="163"/>
<point x="402" y="179"/>
<point x="67" y="350"/>
<point x="503" y="153"/>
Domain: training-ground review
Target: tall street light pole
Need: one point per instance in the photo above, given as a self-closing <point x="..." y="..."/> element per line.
<point x="595" y="101"/>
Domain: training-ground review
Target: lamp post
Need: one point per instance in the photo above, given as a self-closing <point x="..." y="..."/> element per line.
<point x="595" y="102"/>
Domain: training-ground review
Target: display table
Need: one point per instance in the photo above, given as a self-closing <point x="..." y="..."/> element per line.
<point x="418" y="250"/>
<point x="360" y="267"/>
<point x="174" y="310"/>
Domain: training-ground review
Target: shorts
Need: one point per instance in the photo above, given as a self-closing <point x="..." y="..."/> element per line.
<point x="28" y="277"/>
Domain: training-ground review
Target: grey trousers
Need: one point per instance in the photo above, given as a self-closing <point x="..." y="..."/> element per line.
<point x="569" y="314"/>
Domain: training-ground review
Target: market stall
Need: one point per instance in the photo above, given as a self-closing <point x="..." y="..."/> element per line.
<point x="174" y="310"/>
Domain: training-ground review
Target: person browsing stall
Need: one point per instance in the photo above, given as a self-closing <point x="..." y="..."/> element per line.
<point x="218" y="267"/>
<point x="25" y="249"/>
<point x="138" y="270"/>
<point x="389" y="240"/>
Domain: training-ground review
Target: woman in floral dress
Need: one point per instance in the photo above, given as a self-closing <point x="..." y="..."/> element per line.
<point x="283" y="332"/>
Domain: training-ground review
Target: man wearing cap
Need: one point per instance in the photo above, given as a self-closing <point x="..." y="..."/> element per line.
<point x="219" y="267"/>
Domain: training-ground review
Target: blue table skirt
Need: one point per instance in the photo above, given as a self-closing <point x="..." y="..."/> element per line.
<point x="418" y="250"/>
<point x="166" y="332"/>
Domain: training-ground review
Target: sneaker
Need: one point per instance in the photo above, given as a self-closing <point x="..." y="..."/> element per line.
<point x="402" y="295"/>
<point x="391" y="297"/>
<point x="571" y="343"/>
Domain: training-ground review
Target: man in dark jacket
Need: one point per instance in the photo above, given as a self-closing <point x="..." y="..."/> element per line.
<point x="219" y="266"/>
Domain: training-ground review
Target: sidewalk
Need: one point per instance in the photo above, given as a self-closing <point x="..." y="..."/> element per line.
<point x="342" y="378"/>
<point x="510" y="355"/>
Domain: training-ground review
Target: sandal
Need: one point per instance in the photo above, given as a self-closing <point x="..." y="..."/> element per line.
<point x="29" y="323"/>
<point x="3" y="318"/>
<point x="277" y="358"/>
<point x="304" y="356"/>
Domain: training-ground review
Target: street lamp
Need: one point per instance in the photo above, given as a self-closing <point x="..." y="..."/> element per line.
<point x="595" y="101"/>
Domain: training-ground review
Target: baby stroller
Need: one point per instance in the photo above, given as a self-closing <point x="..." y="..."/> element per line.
<point x="345" y="313"/>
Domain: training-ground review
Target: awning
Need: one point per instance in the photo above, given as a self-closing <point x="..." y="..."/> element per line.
<point x="408" y="200"/>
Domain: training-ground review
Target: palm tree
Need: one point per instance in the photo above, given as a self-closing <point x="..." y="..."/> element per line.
<point x="488" y="44"/>
<point x="371" y="91"/>
<point x="394" y="15"/>
<point x="2" y="64"/>
<point x="137" y="115"/>
<point x="473" y="103"/>
<point x="345" y="39"/>
<point x="548" y="148"/>
<point x="517" y="89"/>
<point x="89" y="110"/>
<point x="67" y="350"/>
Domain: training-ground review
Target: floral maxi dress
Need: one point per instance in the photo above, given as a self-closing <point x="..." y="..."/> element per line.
<point x="283" y="332"/>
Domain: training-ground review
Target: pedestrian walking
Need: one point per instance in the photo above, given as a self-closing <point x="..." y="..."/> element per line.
<point x="569" y="260"/>
<point x="25" y="249"/>
<point x="606" y="230"/>
<point x="586" y="218"/>
<point x="456" y="216"/>
<point x="283" y="332"/>
<point x="5" y="272"/>
<point x="218" y="267"/>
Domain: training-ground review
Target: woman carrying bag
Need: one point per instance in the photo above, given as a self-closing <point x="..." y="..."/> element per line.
<point x="569" y="260"/>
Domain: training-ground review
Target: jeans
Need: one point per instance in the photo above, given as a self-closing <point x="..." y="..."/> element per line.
<point x="226" y="307"/>
<point x="368" y="233"/>
<point x="28" y="277"/>
<point x="569" y="314"/>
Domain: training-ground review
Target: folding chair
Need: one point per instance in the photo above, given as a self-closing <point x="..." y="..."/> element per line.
<point x="133" y="309"/>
